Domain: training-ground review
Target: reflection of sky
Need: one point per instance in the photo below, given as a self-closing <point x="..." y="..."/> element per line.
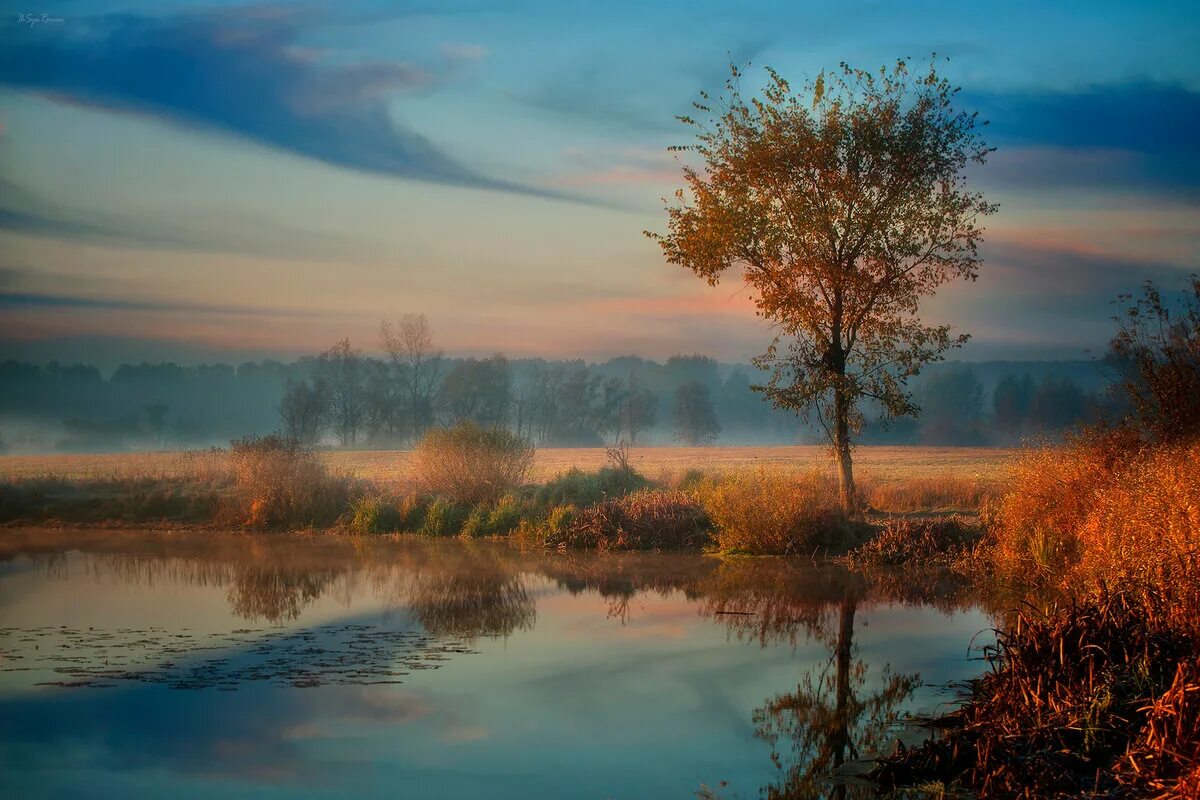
<point x="263" y="179"/>
<point x="581" y="705"/>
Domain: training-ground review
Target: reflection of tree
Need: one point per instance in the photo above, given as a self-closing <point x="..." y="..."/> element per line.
<point x="472" y="603"/>
<point x="825" y="722"/>
<point x="814" y="730"/>
<point x="276" y="593"/>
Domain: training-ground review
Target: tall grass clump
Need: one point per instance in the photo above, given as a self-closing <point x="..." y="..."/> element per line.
<point x="772" y="512"/>
<point x="1106" y="511"/>
<point x="277" y="483"/>
<point x="373" y="513"/>
<point x="468" y="464"/>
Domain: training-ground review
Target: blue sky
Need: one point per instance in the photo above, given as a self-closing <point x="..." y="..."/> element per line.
<point x="230" y="180"/>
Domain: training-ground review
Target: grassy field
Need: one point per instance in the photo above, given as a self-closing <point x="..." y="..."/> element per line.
<point x="874" y="464"/>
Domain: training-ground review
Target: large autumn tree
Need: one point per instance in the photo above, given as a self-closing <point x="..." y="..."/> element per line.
<point x="842" y="206"/>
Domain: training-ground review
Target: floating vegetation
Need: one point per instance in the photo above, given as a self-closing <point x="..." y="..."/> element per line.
<point x="345" y="654"/>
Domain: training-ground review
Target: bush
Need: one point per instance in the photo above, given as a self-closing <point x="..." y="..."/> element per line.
<point x="444" y="518"/>
<point x="770" y="512"/>
<point x="555" y="528"/>
<point x="279" y="484"/>
<point x="646" y="520"/>
<point x="470" y="464"/>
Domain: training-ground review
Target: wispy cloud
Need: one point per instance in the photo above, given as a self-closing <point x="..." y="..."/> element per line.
<point x="1130" y="137"/>
<point x="243" y="72"/>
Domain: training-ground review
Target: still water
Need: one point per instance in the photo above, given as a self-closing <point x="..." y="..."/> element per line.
<point x="202" y="665"/>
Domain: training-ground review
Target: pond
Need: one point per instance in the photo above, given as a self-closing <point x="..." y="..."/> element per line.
<point x="150" y="664"/>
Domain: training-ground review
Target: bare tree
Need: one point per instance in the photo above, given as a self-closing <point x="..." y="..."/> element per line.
<point x="303" y="411"/>
<point x="418" y="366"/>
<point x="841" y="209"/>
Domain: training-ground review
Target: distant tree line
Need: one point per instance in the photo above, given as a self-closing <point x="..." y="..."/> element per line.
<point x="361" y="400"/>
<point x="348" y="397"/>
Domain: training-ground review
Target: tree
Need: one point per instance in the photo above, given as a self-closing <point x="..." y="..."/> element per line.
<point x="695" y="419"/>
<point x="951" y="407"/>
<point x="639" y="409"/>
<point x="479" y="391"/>
<point x="842" y="209"/>
<point x="418" y="365"/>
<point x="342" y="370"/>
<point x="1157" y="350"/>
<point x="1010" y="401"/>
<point x="1057" y="404"/>
<point x="303" y="411"/>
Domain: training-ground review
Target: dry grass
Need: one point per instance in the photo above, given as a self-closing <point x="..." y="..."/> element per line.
<point x="927" y="542"/>
<point x="1091" y="700"/>
<point x="932" y="493"/>
<point x="881" y="464"/>
<point x="1105" y="512"/>
<point x="645" y="520"/>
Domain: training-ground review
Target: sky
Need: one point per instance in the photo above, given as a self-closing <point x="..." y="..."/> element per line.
<point x="222" y="181"/>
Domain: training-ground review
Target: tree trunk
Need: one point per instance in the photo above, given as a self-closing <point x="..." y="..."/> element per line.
<point x="841" y="446"/>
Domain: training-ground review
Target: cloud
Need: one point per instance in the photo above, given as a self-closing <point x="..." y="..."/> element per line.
<point x="34" y="300"/>
<point x="1143" y="117"/>
<point x="1137" y="137"/>
<point x="458" y="52"/>
<point x="635" y="93"/>
<point x="241" y="72"/>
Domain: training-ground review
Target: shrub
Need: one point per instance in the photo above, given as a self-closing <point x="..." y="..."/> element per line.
<point x="918" y="542"/>
<point x="470" y="464"/>
<point x="1053" y="488"/>
<point x="374" y="514"/>
<point x="771" y="512"/>
<point x="279" y="484"/>
<point x="444" y="518"/>
<point x="644" y="520"/>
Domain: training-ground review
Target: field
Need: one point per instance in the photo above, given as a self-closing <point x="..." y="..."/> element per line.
<point x="873" y="464"/>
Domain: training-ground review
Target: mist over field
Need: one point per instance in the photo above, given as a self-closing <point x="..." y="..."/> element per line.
<point x="571" y="403"/>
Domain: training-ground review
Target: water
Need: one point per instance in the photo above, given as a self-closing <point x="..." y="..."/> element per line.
<point x="202" y="665"/>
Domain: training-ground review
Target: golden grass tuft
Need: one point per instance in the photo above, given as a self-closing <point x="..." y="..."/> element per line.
<point x="768" y="511"/>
